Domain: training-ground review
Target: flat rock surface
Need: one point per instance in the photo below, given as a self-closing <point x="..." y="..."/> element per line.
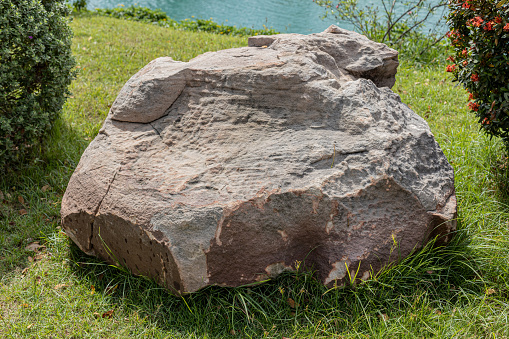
<point x="232" y="167"/>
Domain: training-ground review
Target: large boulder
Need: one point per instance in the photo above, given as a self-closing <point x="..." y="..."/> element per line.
<point x="242" y="163"/>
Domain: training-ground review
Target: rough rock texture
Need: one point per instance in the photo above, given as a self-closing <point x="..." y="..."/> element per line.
<point x="229" y="168"/>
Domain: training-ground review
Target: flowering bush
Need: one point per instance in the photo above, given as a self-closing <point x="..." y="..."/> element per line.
<point x="479" y="34"/>
<point x="35" y="69"/>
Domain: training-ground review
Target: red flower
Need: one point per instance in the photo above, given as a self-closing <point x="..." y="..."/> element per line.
<point x="450" y="68"/>
<point x="486" y="121"/>
<point x="488" y="26"/>
<point x="470" y="96"/>
<point x="465" y="63"/>
<point x="466" y="5"/>
<point x="475" y="77"/>
<point x="452" y="33"/>
<point x="498" y="20"/>
<point x="506" y="27"/>
<point x="464" y="52"/>
<point x="477" y="21"/>
<point x="450" y="58"/>
<point x="473" y="106"/>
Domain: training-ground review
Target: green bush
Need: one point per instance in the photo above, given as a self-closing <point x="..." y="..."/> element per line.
<point x="36" y="67"/>
<point x="479" y="33"/>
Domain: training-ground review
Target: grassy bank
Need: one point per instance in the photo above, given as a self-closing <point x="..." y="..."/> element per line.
<point x="54" y="290"/>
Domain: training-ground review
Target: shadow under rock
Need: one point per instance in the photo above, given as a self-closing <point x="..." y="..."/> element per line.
<point x="293" y="300"/>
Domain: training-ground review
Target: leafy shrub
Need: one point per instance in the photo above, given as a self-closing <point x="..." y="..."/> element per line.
<point x="160" y="18"/>
<point x="35" y="70"/>
<point x="479" y="33"/>
<point x="400" y="24"/>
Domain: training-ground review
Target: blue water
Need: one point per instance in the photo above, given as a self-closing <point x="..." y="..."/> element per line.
<point x="286" y="16"/>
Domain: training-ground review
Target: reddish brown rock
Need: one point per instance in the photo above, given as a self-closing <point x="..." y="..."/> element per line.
<point x="232" y="167"/>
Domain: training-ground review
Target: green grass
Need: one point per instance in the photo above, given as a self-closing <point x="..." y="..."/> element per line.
<point x="460" y="291"/>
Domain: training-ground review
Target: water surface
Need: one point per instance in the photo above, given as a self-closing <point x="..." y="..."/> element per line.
<point x="286" y="16"/>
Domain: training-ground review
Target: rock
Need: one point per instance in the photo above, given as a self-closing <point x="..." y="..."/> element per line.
<point x="241" y="163"/>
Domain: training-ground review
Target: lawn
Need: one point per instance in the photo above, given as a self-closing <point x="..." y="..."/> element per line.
<point x="48" y="288"/>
